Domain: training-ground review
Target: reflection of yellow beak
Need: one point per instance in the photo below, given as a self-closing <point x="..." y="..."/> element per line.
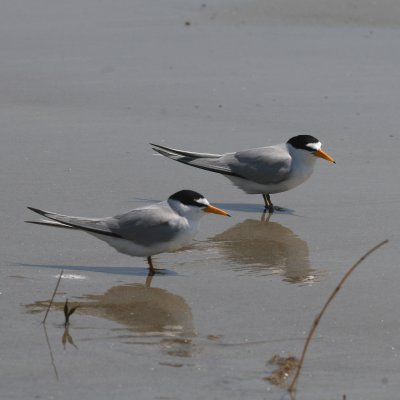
<point x="321" y="154"/>
<point x="215" y="210"/>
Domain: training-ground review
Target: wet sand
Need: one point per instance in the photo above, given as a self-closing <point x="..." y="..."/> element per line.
<point x="86" y="86"/>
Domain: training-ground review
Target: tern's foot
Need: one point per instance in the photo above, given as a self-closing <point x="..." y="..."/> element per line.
<point x="270" y="209"/>
<point x="157" y="271"/>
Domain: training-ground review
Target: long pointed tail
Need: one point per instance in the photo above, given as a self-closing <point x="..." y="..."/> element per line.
<point x="206" y="161"/>
<point x="97" y="226"/>
<point x="175" y="154"/>
<point x="48" y="214"/>
<point x="54" y="224"/>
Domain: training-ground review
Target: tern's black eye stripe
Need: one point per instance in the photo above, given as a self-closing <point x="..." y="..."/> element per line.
<point x="301" y="141"/>
<point x="188" y="197"/>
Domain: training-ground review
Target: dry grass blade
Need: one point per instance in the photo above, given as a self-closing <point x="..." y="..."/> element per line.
<point x="292" y="387"/>
<point x="52" y="297"/>
<point x="68" y="312"/>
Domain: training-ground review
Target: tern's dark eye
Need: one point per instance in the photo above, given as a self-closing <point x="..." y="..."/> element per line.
<point x="313" y="146"/>
<point x="202" y="202"/>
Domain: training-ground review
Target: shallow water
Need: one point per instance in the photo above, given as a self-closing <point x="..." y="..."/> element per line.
<point x="84" y="90"/>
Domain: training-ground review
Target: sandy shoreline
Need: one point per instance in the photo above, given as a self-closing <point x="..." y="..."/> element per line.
<point x="87" y="85"/>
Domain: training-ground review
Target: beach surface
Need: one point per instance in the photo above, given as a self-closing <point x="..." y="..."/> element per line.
<point x="86" y="86"/>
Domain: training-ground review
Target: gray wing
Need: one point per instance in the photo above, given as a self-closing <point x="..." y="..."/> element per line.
<point x="145" y="226"/>
<point x="264" y="165"/>
<point x="142" y="226"/>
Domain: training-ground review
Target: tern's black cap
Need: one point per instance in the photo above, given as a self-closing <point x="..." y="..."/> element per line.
<point x="188" y="197"/>
<point x="301" y="142"/>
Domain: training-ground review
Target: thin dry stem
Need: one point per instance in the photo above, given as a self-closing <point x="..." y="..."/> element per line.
<point x="50" y="351"/>
<point x="52" y="297"/>
<point x="292" y="387"/>
<point x="68" y="312"/>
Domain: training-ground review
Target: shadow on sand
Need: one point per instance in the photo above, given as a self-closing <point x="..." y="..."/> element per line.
<point x="131" y="271"/>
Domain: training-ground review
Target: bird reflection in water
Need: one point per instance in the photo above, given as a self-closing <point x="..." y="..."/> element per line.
<point x="151" y="315"/>
<point x="267" y="247"/>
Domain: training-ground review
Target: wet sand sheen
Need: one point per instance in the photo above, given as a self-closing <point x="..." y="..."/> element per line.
<point x="85" y="89"/>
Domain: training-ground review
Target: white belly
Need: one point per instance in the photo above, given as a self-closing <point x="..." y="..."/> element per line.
<point x="295" y="178"/>
<point x="131" y="248"/>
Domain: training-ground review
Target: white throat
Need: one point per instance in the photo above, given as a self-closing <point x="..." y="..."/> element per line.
<point x="189" y="212"/>
<point x="302" y="157"/>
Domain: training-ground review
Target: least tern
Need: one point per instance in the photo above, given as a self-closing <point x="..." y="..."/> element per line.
<point x="263" y="170"/>
<point x="145" y="231"/>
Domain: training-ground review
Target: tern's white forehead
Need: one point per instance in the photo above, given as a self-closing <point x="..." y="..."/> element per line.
<point x="202" y="201"/>
<point x="314" y="146"/>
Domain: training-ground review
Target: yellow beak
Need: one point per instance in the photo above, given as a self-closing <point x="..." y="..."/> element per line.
<point x="215" y="210"/>
<point x="321" y="154"/>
